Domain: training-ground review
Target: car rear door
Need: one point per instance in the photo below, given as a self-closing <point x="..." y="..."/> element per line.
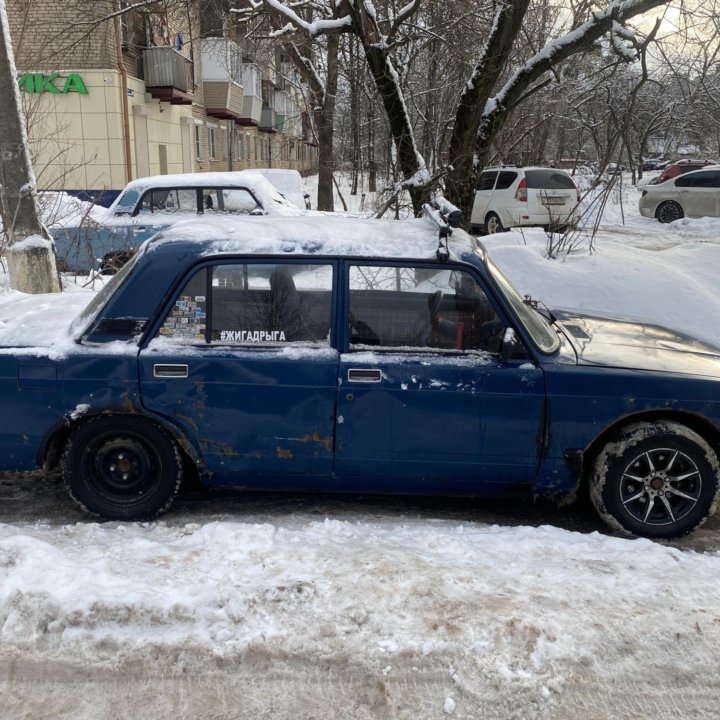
<point x="242" y="361"/>
<point x="425" y="403"/>
<point x="551" y="193"/>
<point x="699" y="193"/>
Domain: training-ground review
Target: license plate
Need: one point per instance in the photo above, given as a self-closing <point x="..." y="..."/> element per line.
<point x="553" y="200"/>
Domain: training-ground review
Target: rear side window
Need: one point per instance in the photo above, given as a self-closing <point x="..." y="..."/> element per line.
<point x="487" y="180"/>
<point x="505" y="180"/>
<point x="228" y="200"/>
<point x="251" y="304"/>
<point x="705" y="179"/>
<point x="549" y="180"/>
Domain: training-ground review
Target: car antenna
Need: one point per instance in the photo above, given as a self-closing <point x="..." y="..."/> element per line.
<point x="447" y="216"/>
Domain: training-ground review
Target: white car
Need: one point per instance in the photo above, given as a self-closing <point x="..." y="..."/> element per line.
<point x="510" y="196"/>
<point x="150" y="204"/>
<point x="693" y="194"/>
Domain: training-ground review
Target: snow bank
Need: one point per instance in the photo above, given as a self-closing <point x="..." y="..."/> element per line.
<point x="524" y="608"/>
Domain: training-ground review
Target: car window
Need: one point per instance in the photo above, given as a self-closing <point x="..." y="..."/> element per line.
<point x="228" y="200"/>
<point x="251" y="304"/>
<point x="703" y="179"/>
<point x="172" y="200"/>
<point x="487" y="180"/>
<point x="549" y="180"/>
<point x="505" y="180"/>
<point x="412" y="308"/>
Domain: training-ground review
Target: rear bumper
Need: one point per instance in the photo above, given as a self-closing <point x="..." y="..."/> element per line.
<point x="515" y="219"/>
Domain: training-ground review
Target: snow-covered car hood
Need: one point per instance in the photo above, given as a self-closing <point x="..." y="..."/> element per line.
<point x="614" y="342"/>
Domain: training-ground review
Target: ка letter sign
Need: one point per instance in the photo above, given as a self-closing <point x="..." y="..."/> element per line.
<point x="38" y="83"/>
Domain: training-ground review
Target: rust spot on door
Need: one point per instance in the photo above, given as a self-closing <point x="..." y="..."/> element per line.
<point x="317" y="438"/>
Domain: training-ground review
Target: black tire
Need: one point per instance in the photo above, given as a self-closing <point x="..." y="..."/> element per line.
<point x="656" y="480"/>
<point x="122" y="468"/>
<point x="669" y="211"/>
<point x="493" y="224"/>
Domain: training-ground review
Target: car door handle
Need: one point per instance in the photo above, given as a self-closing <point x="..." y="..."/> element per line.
<point x="173" y="371"/>
<point x="367" y="375"/>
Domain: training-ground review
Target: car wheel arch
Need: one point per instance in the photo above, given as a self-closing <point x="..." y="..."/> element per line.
<point x="53" y="445"/>
<point x="705" y="429"/>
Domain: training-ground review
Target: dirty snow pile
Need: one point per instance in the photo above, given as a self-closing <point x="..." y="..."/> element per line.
<point x="489" y="612"/>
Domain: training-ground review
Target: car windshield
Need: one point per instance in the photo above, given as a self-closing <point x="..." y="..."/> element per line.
<point x="535" y="323"/>
<point x="549" y="180"/>
<point x="86" y="318"/>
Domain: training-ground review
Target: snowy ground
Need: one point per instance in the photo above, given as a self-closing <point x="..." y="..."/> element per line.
<point x="237" y="606"/>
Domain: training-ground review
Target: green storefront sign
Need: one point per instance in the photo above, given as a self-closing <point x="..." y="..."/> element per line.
<point x="53" y="83"/>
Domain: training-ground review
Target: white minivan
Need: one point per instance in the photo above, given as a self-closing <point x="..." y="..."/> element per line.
<point x="510" y="196"/>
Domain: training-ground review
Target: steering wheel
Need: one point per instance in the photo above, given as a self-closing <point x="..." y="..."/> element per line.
<point x="424" y="321"/>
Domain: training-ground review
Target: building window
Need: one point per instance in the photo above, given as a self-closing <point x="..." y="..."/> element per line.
<point x="198" y="142"/>
<point x="124" y="26"/>
<point x="212" y="143"/>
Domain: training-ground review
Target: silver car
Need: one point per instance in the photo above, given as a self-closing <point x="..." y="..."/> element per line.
<point x="694" y="194"/>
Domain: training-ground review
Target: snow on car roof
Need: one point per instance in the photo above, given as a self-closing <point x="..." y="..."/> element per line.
<point x="273" y="201"/>
<point x="314" y="235"/>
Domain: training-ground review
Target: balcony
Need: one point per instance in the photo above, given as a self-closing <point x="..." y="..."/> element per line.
<point x="168" y="75"/>
<point x="223" y="100"/>
<point x="268" y="120"/>
<point x="251" y="80"/>
<point x="222" y="78"/>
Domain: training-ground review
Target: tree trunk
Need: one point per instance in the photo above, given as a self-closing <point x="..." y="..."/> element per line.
<point x="354" y="117"/>
<point x="324" y="121"/>
<point x="32" y="263"/>
<point x="388" y="87"/>
<point x="472" y="105"/>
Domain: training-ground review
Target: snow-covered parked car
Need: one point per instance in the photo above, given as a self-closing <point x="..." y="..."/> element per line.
<point x="107" y="239"/>
<point x="348" y="355"/>
<point x="289" y="183"/>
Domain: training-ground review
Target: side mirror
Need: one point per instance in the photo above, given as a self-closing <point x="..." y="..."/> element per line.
<point x="510" y="344"/>
<point x="256" y="211"/>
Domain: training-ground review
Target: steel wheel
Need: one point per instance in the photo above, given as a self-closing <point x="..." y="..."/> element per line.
<point x="655" y="479"/>
<point x="493" y="224"/>
<point x="669" y="211"/>
<point x="122" y="468"/>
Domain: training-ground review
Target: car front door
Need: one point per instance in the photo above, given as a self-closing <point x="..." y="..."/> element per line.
<point x="483" y="193"/>
<point x="242" y="362"/>
<point x="425" y="402"/>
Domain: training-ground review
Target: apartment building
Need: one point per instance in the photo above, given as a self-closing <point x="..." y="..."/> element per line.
<point x="112" y="98"/>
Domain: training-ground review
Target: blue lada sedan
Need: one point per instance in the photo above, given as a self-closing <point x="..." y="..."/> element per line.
<point x="341" y="355"/>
